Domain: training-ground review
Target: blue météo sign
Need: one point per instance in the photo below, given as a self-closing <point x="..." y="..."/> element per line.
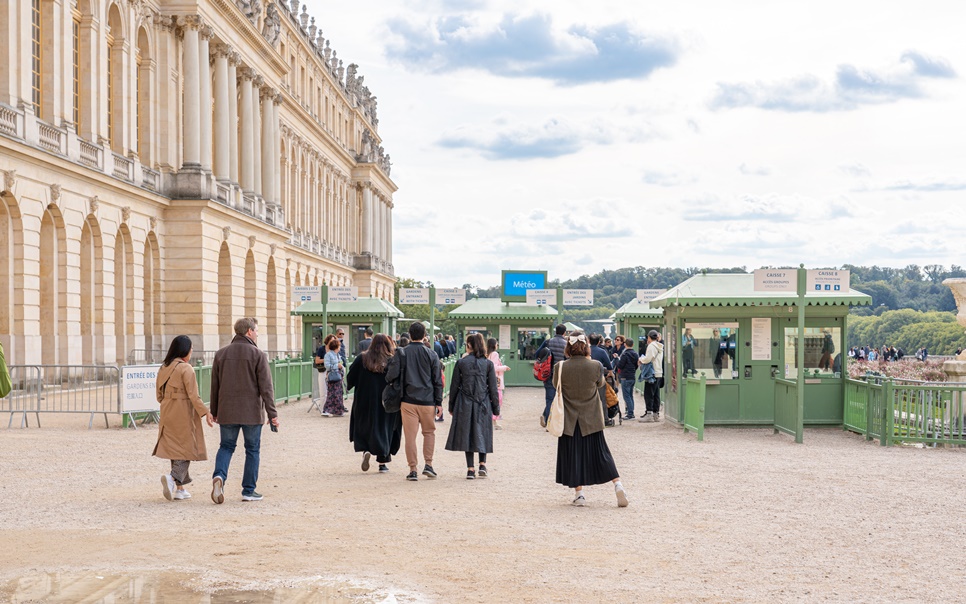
<point x="516" y="283"/>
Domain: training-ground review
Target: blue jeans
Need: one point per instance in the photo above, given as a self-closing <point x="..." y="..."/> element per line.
<point x="550" y="392"/>
<point x="627" y="389"/>
<point x="229" y="437"/>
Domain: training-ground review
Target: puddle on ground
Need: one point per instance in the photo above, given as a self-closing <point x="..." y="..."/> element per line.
<point x="159" y="588"/>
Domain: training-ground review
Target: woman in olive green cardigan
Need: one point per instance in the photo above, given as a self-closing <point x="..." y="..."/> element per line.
<point x="583" y="457"/>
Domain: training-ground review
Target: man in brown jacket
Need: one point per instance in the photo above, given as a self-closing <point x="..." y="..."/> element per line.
<point x="241" y="394"/>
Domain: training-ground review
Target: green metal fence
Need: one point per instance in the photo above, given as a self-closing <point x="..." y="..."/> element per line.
<point x="903" y="411"/>
<point x="292" y="379"/>
<point x="694" y="399"/>
<point x="447" y="377"/>
<point x="787" y="418"/>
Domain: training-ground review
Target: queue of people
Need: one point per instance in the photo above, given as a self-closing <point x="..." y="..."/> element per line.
<point x="242" y="401"/>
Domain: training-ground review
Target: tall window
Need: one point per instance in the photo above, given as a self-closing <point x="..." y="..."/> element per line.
<point x="137" y="104"/>
<point x="75" y="31"/>
<point x="36" y="50"/>
<point x="110" y="85"/>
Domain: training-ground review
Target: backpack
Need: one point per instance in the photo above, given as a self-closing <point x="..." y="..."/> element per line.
<point x="543" y="369"/>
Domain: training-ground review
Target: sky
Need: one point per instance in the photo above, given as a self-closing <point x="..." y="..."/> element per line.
<point x="576" y="136"/>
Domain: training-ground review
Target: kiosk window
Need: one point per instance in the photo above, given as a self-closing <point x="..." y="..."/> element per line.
<point x="711" y="348"/>
<point x="823" y="346"/>
<point x="529" y="340"/>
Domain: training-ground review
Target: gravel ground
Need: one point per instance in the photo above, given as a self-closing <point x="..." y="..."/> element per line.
<point x="746" y="516"/>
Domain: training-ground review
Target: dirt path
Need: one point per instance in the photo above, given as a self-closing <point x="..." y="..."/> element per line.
<point x="744" y="516"/>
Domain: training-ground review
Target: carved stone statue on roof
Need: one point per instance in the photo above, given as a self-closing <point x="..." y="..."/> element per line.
<point x="273" y="24"/>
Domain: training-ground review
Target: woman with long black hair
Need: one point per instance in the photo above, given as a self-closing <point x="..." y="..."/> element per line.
<point x="181" y="437"/>
<point x="371" y="429"/>
<point x="473" y="401"/>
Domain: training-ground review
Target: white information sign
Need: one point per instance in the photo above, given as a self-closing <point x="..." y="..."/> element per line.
<point x="578" y="297"/>
<point x="414" y="295"/>
<point x="450" y="295"/>
<point x="541" y="297"/>
<point x="307" y="293"/>
<point x="505" y="341"/>
<point x="760" y="339"/>
<point x="646" y="295"/>
<point x="776" y="280"/>
<point x="137" y="388"/>
<point x="827" y="281"/>
<point x="343" y="294"/>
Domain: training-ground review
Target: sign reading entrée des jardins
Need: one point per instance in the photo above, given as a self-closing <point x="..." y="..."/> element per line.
<point x="514" y="284"/>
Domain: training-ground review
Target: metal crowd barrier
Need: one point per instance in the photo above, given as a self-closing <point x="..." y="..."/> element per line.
<point x="40" y="389"/>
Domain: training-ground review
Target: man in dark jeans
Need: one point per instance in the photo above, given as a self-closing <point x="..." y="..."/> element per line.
<point x="556" y="345"/>
<point x="626" y="368"/>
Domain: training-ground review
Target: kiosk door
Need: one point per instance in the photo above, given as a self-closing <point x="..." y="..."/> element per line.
<point x="758" y="369"/>
<point x="520" y="359"/>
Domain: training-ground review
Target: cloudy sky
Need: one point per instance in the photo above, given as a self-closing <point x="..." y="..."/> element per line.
<point x="574" y="136"/>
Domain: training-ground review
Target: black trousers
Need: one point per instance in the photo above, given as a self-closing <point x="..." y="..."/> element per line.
<point x="652" y="397"/>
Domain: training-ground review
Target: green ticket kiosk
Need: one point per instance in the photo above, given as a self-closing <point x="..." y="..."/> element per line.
<point x="636" y="318"/>
<point x="318" y="320"/>
<point x="742" y="340"/>
<point x="519" y="330"/>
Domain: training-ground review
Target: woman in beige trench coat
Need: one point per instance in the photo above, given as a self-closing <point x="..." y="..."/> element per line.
<point x="181" y="437"/>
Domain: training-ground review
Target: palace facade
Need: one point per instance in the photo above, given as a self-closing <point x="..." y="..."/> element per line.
<point x="171" y="165"/>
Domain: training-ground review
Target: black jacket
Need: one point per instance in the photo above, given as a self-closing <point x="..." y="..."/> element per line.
<point x="423" y="382"/>
<point x="473" y="401"/>
<point x="627" y="364"/>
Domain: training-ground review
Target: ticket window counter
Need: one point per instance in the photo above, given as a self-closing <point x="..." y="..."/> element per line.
<point x="824" y="367"/>
<point x="520" y="359"/>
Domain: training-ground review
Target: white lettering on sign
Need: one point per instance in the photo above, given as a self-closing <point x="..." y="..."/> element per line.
<point x="524" y="284"/>
<point x="541" y="297"/>
<point x="776" y="280"/>
<point x="578" y="297"/>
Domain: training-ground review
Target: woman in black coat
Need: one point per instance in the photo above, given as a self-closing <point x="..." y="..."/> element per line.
<point x="372" y="429"/>
<point x="473" y="401"/>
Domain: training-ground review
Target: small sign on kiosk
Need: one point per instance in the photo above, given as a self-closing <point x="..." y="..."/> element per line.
<point x="541" y="297"/>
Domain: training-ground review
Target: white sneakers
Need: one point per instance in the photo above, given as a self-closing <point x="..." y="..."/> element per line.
<point x="621" y="496"/>
<point x="182" y="494"/>
<point x="167" y="486"/>
<point x="579" y="501"/>
<point x="218" y="490"/>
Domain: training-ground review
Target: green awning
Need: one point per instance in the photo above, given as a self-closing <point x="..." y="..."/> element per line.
<point x="635" y="309"/>
<point x="363" y="307"/>
<point x="738" y="289"/>
<point x="494" y="309"/>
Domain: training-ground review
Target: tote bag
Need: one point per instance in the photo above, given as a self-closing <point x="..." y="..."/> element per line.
<point x="555" y="423"/>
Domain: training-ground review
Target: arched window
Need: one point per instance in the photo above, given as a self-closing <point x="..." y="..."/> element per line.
<point x="225" y="310"/>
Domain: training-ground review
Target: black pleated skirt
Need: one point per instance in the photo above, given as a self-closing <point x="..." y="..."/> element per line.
<point x="584" y="460"/>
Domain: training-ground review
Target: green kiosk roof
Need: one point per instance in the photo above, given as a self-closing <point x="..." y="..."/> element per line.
<point x="363" y="307"/>
<point x="738" y="289"/>
<point x="494" y="308"/>
<point x="635" y="309"/>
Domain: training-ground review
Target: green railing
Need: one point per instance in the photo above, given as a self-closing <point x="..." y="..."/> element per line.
<point x="448" y="376"/>
<point x="694" y="399"/>
<point x="902" y="411"/>
<point x="787" y="419"/>
<point x="292" y="379"/>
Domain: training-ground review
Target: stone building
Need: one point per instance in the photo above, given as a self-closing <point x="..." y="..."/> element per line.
<point x="171" y="165"/>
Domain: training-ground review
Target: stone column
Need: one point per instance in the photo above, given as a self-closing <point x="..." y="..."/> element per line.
<point x="389" y="206"/>
<point x="222" y="115"/>
<point x="192" y="94"/>
<point x="247" y="167"/>
<point x="204" y="35"/>
<point x="256" y="123"/>
<point x="277" y="149"/>
<point x="269" y="157"/>
<point x="366" y="243"/>
<point x="232" y="149"/>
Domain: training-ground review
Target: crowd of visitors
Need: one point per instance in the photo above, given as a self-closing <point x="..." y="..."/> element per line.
<point x="242" y="401"/>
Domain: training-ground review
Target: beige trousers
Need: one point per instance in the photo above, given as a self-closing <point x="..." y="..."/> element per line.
<point x="414" y="416"/>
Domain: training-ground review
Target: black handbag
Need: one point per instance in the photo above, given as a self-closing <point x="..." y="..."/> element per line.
<point x="392" y="394"/>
